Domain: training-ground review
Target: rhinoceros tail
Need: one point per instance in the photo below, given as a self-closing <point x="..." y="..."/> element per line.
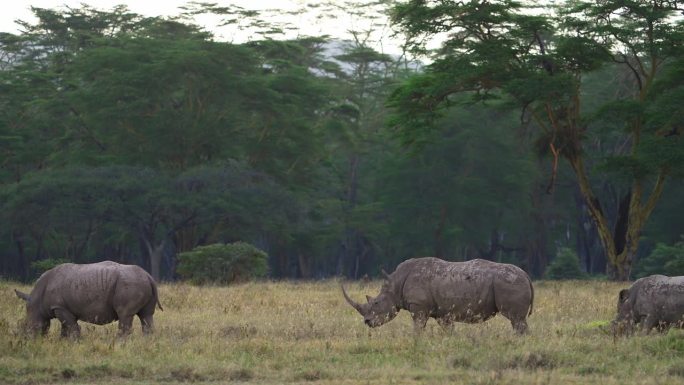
<point x="532" y="298"/>
<point x="155" y="293"/>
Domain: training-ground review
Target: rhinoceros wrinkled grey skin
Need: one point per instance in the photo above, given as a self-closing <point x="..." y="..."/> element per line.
<point x="656" y="301"/>
<point x="97" y="293"/>
<point x="471" y="292"/>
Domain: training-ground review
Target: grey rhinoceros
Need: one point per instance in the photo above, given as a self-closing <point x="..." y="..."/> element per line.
<point x="653" y="301"/>
<point x="97" y="293"/>
<point x="472" y="291"/>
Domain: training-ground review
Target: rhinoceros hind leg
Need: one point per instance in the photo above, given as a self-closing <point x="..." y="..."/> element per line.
<point x="45" y="327"/>
<point x="69" y="323"/>
<point x="125" y="324"/>
<point x="146" y="315"/>
<point x="520" y="326"/>
<point x="147" y="322"/>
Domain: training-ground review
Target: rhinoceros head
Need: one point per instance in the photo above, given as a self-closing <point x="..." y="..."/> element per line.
<point x="377" y="310"/>
<point x="624" y="321"/>
<point x="34" y="323"/>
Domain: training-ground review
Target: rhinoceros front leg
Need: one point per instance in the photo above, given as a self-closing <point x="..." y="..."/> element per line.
<point x="69" y="323"/>
<point x="147" y="322"/>
<point x="648" y="323"/>
<point x="518" y="319"/>
<point x="447" y="323"/>
<point x="420" y="317"/>
<point x="520" y="326"/>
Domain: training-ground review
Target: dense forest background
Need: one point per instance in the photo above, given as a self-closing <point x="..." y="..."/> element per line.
<point x="134" y="139"/>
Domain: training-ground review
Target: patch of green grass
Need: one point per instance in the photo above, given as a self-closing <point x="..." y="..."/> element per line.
<point x="672" y="343"/>
<point x="595" y="325"/>
<point x="293" y="332"/>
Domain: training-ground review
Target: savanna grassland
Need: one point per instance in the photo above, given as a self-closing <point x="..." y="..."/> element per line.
<point x="289" y="332"/>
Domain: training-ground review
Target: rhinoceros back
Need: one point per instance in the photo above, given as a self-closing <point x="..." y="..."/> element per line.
<point x="477" y="287"/>
<point x="96" y="292"/>
<point x="659" y="295"/>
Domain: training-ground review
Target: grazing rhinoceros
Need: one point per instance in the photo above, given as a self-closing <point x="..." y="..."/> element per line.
<point x="472" y="292"/>
<point x="97" y="293"/>
<point x="654" y="301"/>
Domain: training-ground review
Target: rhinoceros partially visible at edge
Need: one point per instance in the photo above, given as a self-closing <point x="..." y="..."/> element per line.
<point x="656" y="301"/>
<point x="471" y="292"/>
<point x="97" y="293"/>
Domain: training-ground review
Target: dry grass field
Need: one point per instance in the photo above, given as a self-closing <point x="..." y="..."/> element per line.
<point x="290" y="332"/>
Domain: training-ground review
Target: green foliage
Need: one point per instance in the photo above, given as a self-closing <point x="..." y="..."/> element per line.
<point x="464" y="184"/>
<point x="222" y="263"/>
<point x="566" y="265"/>
<point x="540" y="63"/>
<point x="60" y="214"/>
<point x="672" y="343"/>
<point x="664" y="259"/>
<point x="127" y="137"/>
<point x="39" y="267"/>
<point x="154" y="131"/>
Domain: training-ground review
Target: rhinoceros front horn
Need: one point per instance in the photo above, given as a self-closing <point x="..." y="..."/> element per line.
<point x="355" y="305"/>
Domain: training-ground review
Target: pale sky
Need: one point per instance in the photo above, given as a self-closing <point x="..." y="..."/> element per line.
<point x="12" y="10"/>
<point x="20" y="9"/>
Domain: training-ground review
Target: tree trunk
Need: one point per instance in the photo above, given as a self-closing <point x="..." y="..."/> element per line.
<point x="620" y="246"/>
<point x="156" y="253"/>
<point x="23" y="265"/>
<point x="439" y="232"/>
<point x="349" y="248"/>
<point x="304" y="266"/>
<point x="155" y="262"/>
<point x="619" y="272"/>
<point x="622" y="270"/>
<point x="280" y="260"/>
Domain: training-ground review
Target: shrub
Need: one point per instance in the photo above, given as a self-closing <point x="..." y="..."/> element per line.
<point x="222" y="263"/>
<point x="566" y="265"/>
<point x="664" y="259"/>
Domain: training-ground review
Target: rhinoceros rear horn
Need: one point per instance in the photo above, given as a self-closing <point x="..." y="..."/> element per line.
<point x="355" y="305"/>
<point x="22" y="295"/>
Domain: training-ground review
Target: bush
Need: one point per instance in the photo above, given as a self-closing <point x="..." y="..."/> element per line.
<point x="39" y="267"/>
<point x="566" y="265"/>
<point x="222" y="263"/>
<point x="664" y="259"/>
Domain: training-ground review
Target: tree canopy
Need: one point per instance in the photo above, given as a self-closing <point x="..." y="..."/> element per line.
<point x="500" y="53"/>
<point x="137" y="139"/>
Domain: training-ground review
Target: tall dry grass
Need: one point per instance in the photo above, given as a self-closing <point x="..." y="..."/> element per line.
<point x="291" y="332"/>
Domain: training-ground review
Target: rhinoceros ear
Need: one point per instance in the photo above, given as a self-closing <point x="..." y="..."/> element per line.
<point x="624" y="294"/>
<point x="368" y="298"/>
<point x="21" y="295"/>
<point x="384" y="274"/>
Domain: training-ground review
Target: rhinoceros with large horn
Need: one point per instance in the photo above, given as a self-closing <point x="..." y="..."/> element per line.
<point x="656" y="301"/>
<point x="97" y="293"/>
<point x="472" y="291"/>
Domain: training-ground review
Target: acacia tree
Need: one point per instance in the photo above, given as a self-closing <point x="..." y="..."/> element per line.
<point x="496" y="50"/>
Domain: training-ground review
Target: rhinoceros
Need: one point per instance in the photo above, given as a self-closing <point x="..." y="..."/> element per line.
<point x="471" y="292"/>
<point x="97" y="293"/>
<point x="656" y="301"/>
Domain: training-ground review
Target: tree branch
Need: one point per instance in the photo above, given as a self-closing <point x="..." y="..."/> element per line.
<point x="655" y="194"/>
